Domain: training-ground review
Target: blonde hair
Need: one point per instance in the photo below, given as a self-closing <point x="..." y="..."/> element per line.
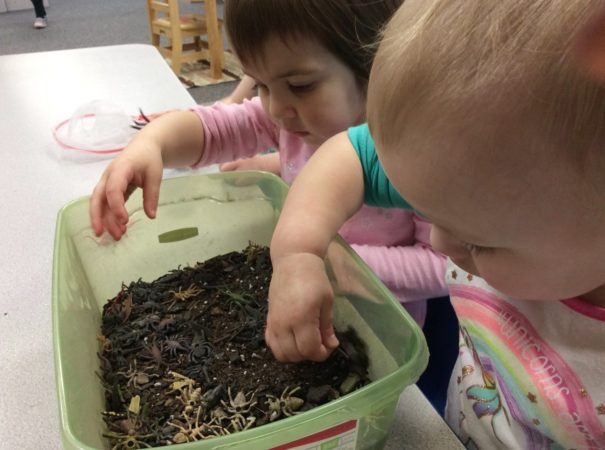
<point x="498" y="71"/>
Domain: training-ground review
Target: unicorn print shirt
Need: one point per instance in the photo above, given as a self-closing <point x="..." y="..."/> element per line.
<point x="529" y="374"/>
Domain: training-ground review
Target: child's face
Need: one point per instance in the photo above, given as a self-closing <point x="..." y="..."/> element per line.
<point x="530" y="224"/>
<point x="307" y="90"/>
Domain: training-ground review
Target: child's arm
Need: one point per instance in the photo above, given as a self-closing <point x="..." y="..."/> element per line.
<point x="204" y="136"/>
<point x="246" y="88"/>
<point x="324" y="195"/>
<point x="172" y="140"/>
<point x="413" y="272"/>
<point x="330" y="189"/>
<point x="268" y="163"/>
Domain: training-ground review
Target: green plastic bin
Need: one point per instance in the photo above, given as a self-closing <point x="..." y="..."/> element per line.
<point x="200" y="217"/>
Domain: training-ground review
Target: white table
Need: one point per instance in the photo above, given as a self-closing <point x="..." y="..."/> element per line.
<point x="38" y="91"/>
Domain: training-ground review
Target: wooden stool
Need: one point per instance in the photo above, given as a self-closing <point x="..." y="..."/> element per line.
<point x="165" y="20"/>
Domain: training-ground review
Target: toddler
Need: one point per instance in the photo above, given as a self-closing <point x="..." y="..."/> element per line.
<point x="40" y="11"/>
<point x="490" y="123"/>
<point x="311" y="62"/>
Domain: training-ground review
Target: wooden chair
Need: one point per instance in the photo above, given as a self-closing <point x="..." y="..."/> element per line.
<point x="165" y="20"/>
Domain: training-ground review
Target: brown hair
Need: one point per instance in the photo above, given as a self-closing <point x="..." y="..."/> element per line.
<point x="347" y="28"/>
<point x="501" y="70"/>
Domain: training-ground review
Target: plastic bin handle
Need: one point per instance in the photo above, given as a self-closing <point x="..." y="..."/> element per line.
<point x="179" y="234"/>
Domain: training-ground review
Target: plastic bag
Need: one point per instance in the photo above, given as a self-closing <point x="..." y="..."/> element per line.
<point x="98" y="128"/>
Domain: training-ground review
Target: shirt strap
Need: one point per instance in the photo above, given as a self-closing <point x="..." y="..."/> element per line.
<point x="378" y="190"/>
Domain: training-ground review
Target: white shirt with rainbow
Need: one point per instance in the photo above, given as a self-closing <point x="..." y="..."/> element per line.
<point x="529" y="374"/>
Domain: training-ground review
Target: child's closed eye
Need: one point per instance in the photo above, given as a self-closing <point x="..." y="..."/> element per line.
<point x="474" y="249"/>
<point x="301" y="88"/>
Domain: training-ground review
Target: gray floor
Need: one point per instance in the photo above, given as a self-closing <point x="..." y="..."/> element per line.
<point x="88" y="23"/>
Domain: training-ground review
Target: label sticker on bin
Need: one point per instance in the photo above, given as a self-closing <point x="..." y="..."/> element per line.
<point x="338" y="437"/>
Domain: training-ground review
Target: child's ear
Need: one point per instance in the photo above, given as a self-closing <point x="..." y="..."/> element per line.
<point x="590" y="46"/>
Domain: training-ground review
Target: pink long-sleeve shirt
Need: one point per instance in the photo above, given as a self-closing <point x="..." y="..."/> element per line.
<point x="393" y="242"/>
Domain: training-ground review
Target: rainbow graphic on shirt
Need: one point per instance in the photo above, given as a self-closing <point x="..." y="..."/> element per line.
<point x="546" y="402"/>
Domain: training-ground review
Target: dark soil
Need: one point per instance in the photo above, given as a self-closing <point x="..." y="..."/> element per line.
<point x="183" y="358"/>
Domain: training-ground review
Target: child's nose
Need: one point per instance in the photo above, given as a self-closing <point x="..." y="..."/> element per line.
<point x="281" y="109"/>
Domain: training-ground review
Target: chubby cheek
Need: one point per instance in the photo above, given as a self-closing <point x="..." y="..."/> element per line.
<point x="505" y="271"/>
<point x="264" y="101"/>
<point x="525" y="280"/>
<point x="506" y="279"/>
<point x="326" y="122"/>
<point x="330" y="113"/>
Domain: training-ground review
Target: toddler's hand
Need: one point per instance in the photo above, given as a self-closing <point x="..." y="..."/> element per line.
<point x="139" y="165"/>
<point x="299" y="324"/>
<point x="268" y="163"/>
